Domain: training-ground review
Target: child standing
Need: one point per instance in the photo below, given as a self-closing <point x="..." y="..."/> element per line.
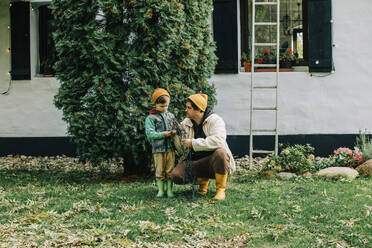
<point x="159" y="125"/>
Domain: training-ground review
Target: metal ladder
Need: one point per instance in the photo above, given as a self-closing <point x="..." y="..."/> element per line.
<point x="253" y="108"/>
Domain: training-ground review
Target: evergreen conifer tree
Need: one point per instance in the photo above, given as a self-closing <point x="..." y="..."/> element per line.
<point x="112" y="54"/>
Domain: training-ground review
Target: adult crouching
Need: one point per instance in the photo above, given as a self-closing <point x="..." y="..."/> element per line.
<point x="210" y="154"/>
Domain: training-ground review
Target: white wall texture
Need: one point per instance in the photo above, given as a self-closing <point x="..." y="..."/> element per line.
<point x="336" y="104"/>
<point x="28" y="110"/>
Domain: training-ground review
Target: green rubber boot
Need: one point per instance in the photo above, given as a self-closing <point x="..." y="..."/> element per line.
<point x="160" y="184"/>
<point x="169" y="189"/>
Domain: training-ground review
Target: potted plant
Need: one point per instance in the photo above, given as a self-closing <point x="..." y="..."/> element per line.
<point x="259" y="59"/>
<point x="286" y="59"/>
<point x="246" y="60"/>
<point x="268" y="57"/>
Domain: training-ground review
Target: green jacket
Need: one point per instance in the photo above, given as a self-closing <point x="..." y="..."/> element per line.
<point x="156" y="124"/>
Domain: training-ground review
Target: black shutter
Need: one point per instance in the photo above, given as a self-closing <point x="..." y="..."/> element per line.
<point x="244" y="30"/>
<point x="20" y="40"/>
<point x="225" y="32"/>
<point x="320" y="35"/>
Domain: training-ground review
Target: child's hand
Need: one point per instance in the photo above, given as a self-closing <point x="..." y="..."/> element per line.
<point x="170" y="133"/>
<point x="173" y="132"/>
<point x="167" y="133"/>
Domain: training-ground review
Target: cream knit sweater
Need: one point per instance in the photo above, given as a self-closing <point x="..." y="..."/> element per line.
<point x="215" y="130"/>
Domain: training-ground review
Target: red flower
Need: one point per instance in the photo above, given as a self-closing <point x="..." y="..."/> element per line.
<point x="289" y="51"/>
<point x="260" y="61"/>
<point x="267" y="52"/>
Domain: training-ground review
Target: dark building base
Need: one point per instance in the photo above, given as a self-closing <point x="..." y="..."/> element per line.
<point x="37" y="146"/>
<point x="239" y="144"/>
<point x="324" y="144"/>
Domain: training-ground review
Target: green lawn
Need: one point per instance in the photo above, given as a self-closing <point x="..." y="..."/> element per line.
<point x="75" y="208"/>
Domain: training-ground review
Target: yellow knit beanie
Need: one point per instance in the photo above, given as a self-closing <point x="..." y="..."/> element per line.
<point x="200" y="100"/>
<point x="158" y="93"/>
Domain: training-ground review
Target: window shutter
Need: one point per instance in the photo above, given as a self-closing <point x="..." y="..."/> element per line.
<point x="20" y="40"/>
<point x="225" y="33"/>
<point x="320" y="35"/>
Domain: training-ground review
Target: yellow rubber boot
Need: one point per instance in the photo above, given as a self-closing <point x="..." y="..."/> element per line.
<point x="203" y="185"/>
<point x="220" y="186"/>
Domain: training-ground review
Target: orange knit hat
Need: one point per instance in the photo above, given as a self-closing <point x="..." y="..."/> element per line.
<point x="158" y="93"/>
<point x="200" y="100"/>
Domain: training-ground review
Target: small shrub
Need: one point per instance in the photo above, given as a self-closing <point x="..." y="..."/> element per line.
<point x="294" y="159"/>
<point x="342" y="157"/>
<point x="345" y="157"/>
<point x="364" y="143"/>
<point x="321" y="163"/>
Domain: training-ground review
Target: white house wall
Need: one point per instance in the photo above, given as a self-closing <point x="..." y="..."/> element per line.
<point x="336" y="104"/>
<point x="28" y="110"/>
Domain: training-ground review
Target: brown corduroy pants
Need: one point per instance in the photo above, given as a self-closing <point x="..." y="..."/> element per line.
<point x="217" y="162"/>
<point x="164" y="163"/>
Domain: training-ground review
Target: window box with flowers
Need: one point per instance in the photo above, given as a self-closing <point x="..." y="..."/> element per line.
<point x="269" y="57"/>
<point x="246" y="61"/>
<point x="287" y="59"/>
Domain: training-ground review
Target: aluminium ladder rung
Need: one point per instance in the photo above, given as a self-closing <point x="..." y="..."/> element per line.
<point x="265" y="44"/>
<point x="265" y="23"/>
<point x="265" y="3"/>
<point x="265" y="87"/>
<point x="264" y="108"/>
<point x="264" y="130"/>
<point x="262" y="151"/>
<point x="264" y="65"/>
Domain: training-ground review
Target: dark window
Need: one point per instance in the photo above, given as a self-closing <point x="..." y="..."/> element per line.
<point x="244" y="29"/>
<point x="47" y="50"/>
<point x="305" y="28"/>
<point x="293" y="28"/>
<point x="293" y="31"/>
<point x="225" y="34"/>
<point x="20" y="40"/>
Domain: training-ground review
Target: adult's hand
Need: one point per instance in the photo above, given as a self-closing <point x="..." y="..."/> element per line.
<point x="187" y="143"/>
